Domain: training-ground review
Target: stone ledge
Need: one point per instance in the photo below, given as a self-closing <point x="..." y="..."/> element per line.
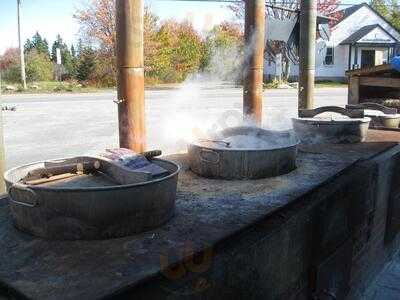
<point x="208" y="213"/>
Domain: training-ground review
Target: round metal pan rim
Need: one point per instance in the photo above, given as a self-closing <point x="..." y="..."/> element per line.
<point x="397" y="116"/>
<point x="333" y="122"/>
<point x="247" y="149"/>
<point x="88" y="189"/>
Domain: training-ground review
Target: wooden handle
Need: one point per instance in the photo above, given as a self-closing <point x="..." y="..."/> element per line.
<point x="53" y="169"/>
<point x="50" y="179"/>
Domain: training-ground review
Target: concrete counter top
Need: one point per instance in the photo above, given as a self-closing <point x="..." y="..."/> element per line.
<point x="208" y="213"/>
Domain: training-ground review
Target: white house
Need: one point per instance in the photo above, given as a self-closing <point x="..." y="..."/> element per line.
<point x="362" y="37"/>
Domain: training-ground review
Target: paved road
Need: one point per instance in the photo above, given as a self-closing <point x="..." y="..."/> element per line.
<point x="53" y="126"/>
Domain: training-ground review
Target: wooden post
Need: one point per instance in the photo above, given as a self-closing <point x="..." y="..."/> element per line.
<point x="2" y="152"/>
<point x="253" y="79"/>
<point x="130" y="63"/>
<point x="355" y="65"/>
<point x="349" y="67"/>
<point x="308" y="29"/>
<point x="21" y="48"/>
<point x="354" y="90"/>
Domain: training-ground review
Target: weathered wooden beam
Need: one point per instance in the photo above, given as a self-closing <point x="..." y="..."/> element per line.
<point x="354" y="90"/>
<point x="308" y="27"/>
<point x="380" y="81"/>
<point x="2" y="155"/>
<point x="130" y="63"/>
<point x="373" y="106"/>
<point x="370" y="70"/>
<point x="253" y="79"/>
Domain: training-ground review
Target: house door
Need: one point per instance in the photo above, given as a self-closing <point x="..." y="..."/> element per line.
<point x="367" y="58"/>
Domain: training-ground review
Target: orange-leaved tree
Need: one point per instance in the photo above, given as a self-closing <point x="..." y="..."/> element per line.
<point x="97" y="21"/>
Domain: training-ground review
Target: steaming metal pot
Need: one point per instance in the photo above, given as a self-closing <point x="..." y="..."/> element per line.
<point x="218" y="158"/>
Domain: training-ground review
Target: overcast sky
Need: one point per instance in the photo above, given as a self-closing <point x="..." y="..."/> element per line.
<point x="52" y="17"/>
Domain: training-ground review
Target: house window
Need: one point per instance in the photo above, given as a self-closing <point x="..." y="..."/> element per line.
<point x="329" y="56"/>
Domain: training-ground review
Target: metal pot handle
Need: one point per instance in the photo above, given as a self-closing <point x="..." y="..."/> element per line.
<point x="203" y="159"/>
<point x="25" y="189"/>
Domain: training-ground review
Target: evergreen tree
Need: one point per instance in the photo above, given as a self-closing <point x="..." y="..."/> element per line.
<point x="38" y="43"/>
<point x="73" y="52"/>
<point x="28" y="46"/>
<point x="80" y="47"/>
<point x="66" y="57"/>
<point x="86" y="65"/>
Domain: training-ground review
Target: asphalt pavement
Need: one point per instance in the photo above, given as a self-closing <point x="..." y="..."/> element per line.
<point x="51" y="126"/>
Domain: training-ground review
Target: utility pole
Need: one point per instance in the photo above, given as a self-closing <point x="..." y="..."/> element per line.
<point x="308" y="29"/>
<point x="2" y="152"/>
<point x="130" y="64"/>
<point x="255" y="43"/>
<point x="21" y="48"/>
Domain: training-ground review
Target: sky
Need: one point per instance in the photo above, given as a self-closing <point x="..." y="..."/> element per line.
<point x="52" y="17"/>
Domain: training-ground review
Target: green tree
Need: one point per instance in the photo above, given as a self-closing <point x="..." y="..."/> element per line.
<point x="37" y="43"/>
<point x="67" y="59"/>
<point x="389" y="9"/>
<point x="73" y="52"/>
<point x="38" y="66"/>
<point x="86" y="65"/>
<point x="188" y="51"/>
<point x="178" y="52"/>
<point x="223" y="51"/>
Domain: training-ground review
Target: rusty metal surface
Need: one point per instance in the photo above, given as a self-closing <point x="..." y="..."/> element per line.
<point x="208" y="212"/>
<point x="253" y="80"/>
<point x="130" y="64"/>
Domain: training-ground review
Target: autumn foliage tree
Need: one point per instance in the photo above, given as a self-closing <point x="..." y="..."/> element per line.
<point x="224" y="51"/>
<point x="9" y="65"/>
<point x="172" y="49"/>
<point x="178" y="52"/>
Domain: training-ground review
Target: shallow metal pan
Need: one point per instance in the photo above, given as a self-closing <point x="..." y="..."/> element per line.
<point x="93" y="212"/>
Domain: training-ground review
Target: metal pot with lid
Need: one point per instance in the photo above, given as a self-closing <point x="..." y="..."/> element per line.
<point x="382" y="116"/>
<point x="244" y="153"/>
<point x="314" y="126"/>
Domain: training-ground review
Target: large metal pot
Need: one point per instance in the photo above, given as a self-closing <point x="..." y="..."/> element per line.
<point x="381" y="115"/>
<point x="207" y="159"/>
<point x="312" y="128"/>
<point x="314" y="131"/>
<point x="91" y="212"/>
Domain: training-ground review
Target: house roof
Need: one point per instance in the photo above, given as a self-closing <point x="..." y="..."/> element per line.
<point x="359" y="34"/>
<point x="352" y="9"/>
<point x="347" y="12"/>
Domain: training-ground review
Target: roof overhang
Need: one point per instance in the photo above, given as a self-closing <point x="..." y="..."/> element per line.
<point x="370" y="35"/>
